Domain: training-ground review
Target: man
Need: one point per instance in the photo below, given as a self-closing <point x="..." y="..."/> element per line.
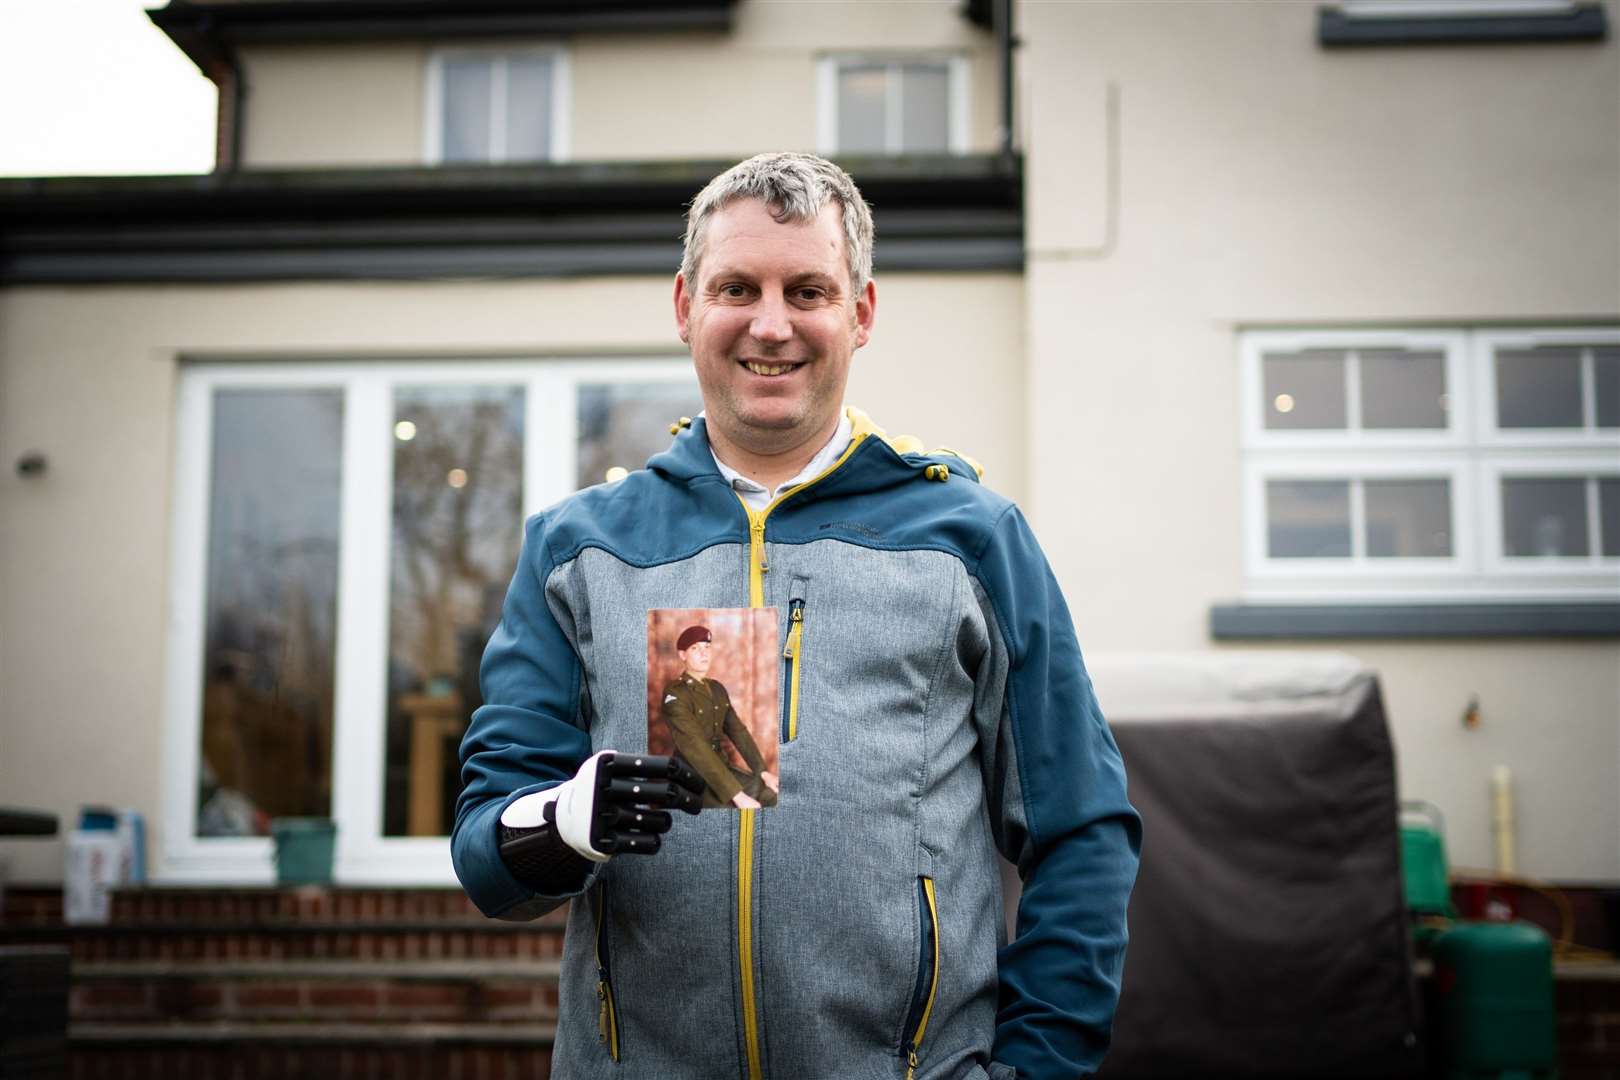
<point x="936" y="711"/>
<point x="699" y="714"/>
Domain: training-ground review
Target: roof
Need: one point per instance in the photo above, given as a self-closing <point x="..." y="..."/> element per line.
<point x="208" y="30"/>
<point x="932" y="213"/>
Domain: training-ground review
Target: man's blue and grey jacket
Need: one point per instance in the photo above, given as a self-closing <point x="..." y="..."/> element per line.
<point x="935" y="711"/>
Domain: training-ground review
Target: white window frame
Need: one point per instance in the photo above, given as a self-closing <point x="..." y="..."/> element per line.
<point x="562" y="107"/>
<point x="956" y="104"/>
<point x="1452" y="345"/>
<point x="1438" y="571"/>
<point x="1589" y="435"/>
<point x="1472" y="452"/>
<point x="363" y="855"/>
<point x="1494" y="468"/>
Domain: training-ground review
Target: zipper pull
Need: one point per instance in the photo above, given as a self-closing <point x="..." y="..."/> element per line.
<point x="601" y="1013"/>
<point x="756" y="527"/>
<point x="911" y="1065"/>
<point x="795" y="628"/>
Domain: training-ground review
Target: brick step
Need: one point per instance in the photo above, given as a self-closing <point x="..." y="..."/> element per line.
<point x="447" y="991"/>
<point x="413" y="1036"/>
<point x="234" y="1051"/>
<point x="295" y="939"/>
<point x="231" y="905"/>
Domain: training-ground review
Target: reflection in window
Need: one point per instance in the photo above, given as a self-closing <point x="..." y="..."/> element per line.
<point x="1544" y="517"/>
<point x="621" y="425"/>
<point x="457" y="528"/>
<point x="1609" y="516"/>
<point x="1305" y="390"/>
<point x="496" y="107"/>
<point x="1408" y="519"/>
<point x="1538" y="388"/>
<point x="1308" y="519"/>
<point x="1401" y="389"/>
<point x="893" y="108"/>
<point x="271" y="609"/>
<point x="1606" y="384"/>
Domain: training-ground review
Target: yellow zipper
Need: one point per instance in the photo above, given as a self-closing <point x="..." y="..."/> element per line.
<point x="607" y="1016"/>
<point x="757" y="569"/>
<point x="791" y="652"/>
<point x="933" y="982"/>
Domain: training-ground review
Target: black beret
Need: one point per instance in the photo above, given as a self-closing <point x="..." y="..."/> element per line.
<point x="691" y="636"/>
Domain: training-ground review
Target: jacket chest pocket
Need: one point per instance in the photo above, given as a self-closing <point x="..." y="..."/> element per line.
<point x="793" y="659"/>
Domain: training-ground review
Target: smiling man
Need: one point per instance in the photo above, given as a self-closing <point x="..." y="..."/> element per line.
<point x="935" y="712"/>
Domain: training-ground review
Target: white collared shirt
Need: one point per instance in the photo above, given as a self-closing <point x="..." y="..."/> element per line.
<point x="757" y="496"/>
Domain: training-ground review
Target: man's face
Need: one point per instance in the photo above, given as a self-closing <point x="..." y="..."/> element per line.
<point x="696" y="658"/>
<point x="772" y="325"/>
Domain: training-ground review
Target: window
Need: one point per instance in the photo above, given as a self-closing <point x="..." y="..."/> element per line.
<point x="893" y="105"/>
<point x="1432" y="464"/>
<point x="497" y="106"/>
<point x="344" y="538"/>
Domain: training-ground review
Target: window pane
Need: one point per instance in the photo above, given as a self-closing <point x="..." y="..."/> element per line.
<point x="268" y="664"/>
<point x="1606" y="372"/>
<point x="1609" y="516"/>
<point x="1308" y="519"/>
<point x="1304" y="389"/>
<point x="466" y="110"/>
<point x="862" y="91"/>
<point x="1401" y="389"/>
<point x="1408" y="519"/>
<point x="1543" y="517"/>
<point x="924" y="109"/>
<point x="528" y="108"/>
<point x="621" y="425"/>
<point x="1538" y="388"/>
<point x="457" y="527"/>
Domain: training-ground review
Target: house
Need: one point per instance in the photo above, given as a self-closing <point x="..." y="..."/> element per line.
<point x="1291" y="327"/>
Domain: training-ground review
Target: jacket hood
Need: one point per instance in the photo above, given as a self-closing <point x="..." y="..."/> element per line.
<point x="873" y="460"/>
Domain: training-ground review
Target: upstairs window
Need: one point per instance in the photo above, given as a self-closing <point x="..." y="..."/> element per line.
<point x="893" y="106"/>
<point x="488" y="106"/>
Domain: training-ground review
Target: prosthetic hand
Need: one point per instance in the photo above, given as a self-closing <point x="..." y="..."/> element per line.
<point x="612" y="805"/>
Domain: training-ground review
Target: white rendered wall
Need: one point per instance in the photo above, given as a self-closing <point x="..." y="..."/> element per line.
<point x="1265" y="181"/>
<point x="633" y="96"/>
<point x="88" y="376"/>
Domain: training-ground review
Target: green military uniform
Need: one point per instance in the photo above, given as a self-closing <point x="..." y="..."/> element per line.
<point x="699" y="714"/>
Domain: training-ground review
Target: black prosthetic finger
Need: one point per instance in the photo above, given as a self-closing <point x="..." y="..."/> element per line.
<point x="637" y="844"/>
<point x="634" y="819"/>
<point x="687" y="777"/>
<point x="681" y="798"/>
<point x="650" y="793"/>
<point x="650" y="766"/>
<point x="647" y="792"/>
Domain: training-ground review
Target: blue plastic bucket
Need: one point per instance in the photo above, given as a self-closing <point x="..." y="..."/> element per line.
<point x="303" y="850"/>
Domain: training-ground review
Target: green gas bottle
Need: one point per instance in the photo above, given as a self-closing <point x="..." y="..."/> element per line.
<point x="1494" y="984"/>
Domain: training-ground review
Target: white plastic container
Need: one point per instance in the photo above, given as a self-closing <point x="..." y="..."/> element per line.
<point x="97" y="861"/>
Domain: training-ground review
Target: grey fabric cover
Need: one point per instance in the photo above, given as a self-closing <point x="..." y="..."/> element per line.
<point x="1268" y="926"/>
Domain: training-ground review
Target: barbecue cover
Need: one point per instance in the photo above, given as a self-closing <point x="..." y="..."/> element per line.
<point x="1268" y="926"/>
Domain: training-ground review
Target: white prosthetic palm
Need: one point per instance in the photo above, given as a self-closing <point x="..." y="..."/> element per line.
<point x="569" y="807"/>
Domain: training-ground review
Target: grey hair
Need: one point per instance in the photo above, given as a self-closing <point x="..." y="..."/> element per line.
<point x="795" y="187"/>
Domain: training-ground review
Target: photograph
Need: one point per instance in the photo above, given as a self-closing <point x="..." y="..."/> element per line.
<point x="712" y="699"/>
